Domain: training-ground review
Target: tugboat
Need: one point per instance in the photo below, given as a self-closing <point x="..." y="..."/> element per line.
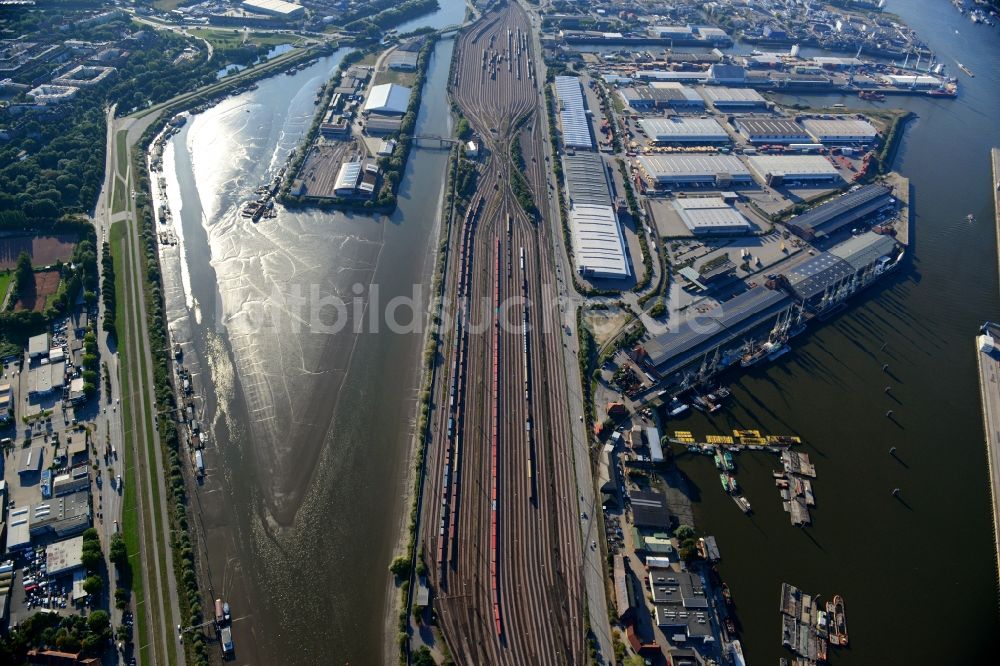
<point x="743" y="503"/>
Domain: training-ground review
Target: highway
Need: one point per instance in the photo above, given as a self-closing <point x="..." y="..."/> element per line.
<point x="501" y="535"/>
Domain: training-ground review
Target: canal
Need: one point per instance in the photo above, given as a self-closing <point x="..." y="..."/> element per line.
<point x="306" y="396"/>
<point x="917" y="573"/>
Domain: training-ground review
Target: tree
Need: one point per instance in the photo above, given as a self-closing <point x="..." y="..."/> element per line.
<point x="121" y="598"/>
<point x="422" y="657"/>
<point x="24" y="276"/>
<point x="117" y="551"/>
<point x="91" y="558"/>
<point x="684" y="532"/>
<point x="99" y="621"/>
<point x="633" y="660"/>
<point x="92" y="585"/>
<point x="400" y="567"/>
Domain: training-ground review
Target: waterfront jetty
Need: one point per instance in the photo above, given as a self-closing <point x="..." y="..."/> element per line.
<point x="995" y="184"/>
<point x="808" y="626"/>
<point x="988" y="359"/>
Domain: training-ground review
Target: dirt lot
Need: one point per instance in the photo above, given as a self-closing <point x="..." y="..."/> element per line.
<point x="44" y="250"/>
<point x="46" y="284"/>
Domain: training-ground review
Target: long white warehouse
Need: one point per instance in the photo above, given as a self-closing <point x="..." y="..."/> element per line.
<point x="598" y="244"/>
<point x="573" y="113"/>
<point x="684" y="130"/>
<point x="840" y="130"/>
<point x="782" y="169"/>
<point x="696" y="170"/>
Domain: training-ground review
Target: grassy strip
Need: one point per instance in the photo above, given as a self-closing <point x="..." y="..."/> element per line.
<point x="118" y="196"/>
<point x="130" y="516"/>
<point x="121" y="152"/>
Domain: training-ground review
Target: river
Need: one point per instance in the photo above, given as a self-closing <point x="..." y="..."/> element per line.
<point x="309" y="424"/>
<point x="917" y="573"/>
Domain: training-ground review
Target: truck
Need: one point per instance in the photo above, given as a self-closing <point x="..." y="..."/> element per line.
<point x="219" y="618"/>
<point x="227" y="641"/>
<point x="199" y="462"/>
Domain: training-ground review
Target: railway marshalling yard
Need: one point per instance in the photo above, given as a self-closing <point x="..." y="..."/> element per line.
<point x="501" y="539"/>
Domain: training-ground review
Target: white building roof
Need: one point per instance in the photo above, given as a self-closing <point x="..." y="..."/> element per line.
<point x="667" y="166"/>
<point x="710" y="214"/>
<point x="38" y="345"/>
<point x="388" y="98"/>
<point x="689" y="130"/>
<point x="63" y="556"/>
<point x="18" y="533"/>
<point x="347" y="177"/>
<point x="839" y="128"/>
<point x="598" y="244"/>
<point x="278" y="7"/>
<point x="721" y="95"/>
<point x="573" y="116"/>
<point x="792" y="166"/>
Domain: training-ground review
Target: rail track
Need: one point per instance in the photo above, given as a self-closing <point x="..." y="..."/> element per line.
<point x="501" y="526"/>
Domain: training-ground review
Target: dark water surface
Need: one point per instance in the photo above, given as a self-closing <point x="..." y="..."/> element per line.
<point x="918" y="574"/>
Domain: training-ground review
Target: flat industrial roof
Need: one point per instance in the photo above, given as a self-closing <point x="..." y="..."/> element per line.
<point x="768" y="127"/>
<point x="38" y="344"/>
<point x="586" y="180"/>
<point x="275" y="7"/>
<point x="680" y="128"/>
<point x="720" y="95"/>
<point x="821" y="128"/>
<point x="388" y="98"/>
<point x="813" y="277"/>
<point x="673" y="349"/>
<point x="792" y="166"/>
<point x="666" y="166"/>
<point x="708" y="219"/>
<point x="843" y="210"/>
<point x="64" y="555"/>
<point x="864" y="250"/>
<point x="573" y="116"/>
<point x="649" y="509"/>
<point x="347" y="177"/>
<point x="598" y="244"/>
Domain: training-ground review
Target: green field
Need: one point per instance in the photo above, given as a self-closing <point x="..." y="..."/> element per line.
<point x="5" y="279"/>
<point x="121" y="152"/>
<point x="130" y="517"/>
<point x="222" y="38"/>
<point x="118" y="195"/>
<point x="395" y="76"/>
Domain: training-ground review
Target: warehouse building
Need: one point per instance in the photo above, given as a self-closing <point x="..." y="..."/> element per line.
<point x="680" y="32"/>
<point x="75" y="480"/>
<point x="851" y="208"/>
<point x="726" y="74"/>
<point x="43" y="379"/>
<point x="681" y="130"/>
<point x="911" y="81"/>
<point x="30" y="464"/>
<point x="573" y="118"/>
<point x="726" y="328"/>
<point x="776" y="170"/>
<point x="705" y="216"/>
<point x="649" y="510"/>
<point x="680" y="605"/>
<point x="772" y="130"/>
<point x="694" y="170"/>
<point x="672" y="75"/>
<point x="733" y="99"/>
<point x="61" y="517"/>
<point x="403" y="61"/>
<point x="63" y="557"/>
<point x="827" y="279"/>
<point x="586" y="180"/>
<point x="388" y="99"/>
<point x="347" y="179"/>
<point x="662" y="95"/>
<point x="598" y="244"/>
<point x="279" y="8"/>
<point x="18" y="534"/>
<point x="38" y="346"/>
<point x="840" y="130"/>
